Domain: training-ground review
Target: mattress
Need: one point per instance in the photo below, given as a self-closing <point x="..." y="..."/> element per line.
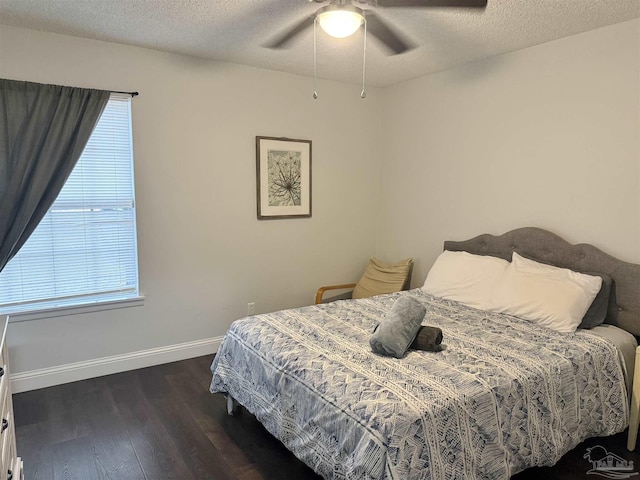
<point x="504" y="395"/>
<point x="625" y="343"/>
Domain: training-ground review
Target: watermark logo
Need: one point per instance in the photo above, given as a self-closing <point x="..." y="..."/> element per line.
<point x="607" y="464"/>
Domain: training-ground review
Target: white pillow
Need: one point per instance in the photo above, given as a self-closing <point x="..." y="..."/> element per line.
<point x="554" y="297"/>
<point x="466" y="278"/>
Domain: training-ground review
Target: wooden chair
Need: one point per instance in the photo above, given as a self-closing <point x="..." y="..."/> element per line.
<point x="376" y="272"/>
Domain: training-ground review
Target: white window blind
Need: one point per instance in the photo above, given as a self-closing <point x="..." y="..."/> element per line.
<point x="84" y="250"/>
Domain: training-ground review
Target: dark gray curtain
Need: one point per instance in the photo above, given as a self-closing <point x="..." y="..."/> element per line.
<point x="43" y="131"/>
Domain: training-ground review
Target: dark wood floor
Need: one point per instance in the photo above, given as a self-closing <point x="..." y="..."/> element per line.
<point x="161" y="423"/>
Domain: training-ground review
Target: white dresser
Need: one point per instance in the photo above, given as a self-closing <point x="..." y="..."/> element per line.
<point x="11" y="464"/>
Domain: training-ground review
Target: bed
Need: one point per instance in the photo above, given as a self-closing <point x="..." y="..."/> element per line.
<point x="504" y="395"/>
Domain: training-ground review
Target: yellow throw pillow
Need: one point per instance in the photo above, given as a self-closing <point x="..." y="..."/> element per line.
<point x="379" y="278"/>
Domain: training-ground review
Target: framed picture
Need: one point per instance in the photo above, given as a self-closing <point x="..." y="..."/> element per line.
<point x="283" y="177"/>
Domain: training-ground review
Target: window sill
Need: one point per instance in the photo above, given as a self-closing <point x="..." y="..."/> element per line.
<point x="66" y="310"/>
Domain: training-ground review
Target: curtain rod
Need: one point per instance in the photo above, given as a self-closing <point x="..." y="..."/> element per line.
<point x="133" y="94"/>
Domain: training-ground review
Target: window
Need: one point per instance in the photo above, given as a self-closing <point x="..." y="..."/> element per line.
<point x="84" y="249"/>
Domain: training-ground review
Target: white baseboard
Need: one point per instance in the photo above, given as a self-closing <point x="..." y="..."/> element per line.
<point x="71" y="372"/>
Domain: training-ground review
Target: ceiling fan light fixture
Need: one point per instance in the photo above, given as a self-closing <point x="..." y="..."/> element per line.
<point x="341" y="22"/>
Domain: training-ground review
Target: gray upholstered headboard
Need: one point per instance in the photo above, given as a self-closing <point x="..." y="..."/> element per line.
<point x="546" y="247"/>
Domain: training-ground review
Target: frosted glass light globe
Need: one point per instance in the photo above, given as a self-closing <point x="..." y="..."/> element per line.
<point x="340" y="23"/>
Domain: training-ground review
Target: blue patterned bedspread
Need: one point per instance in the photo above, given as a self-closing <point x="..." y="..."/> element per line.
<point x="504" y="395"/>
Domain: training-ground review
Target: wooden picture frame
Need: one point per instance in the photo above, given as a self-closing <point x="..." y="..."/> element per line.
<point x="283" y="178"/>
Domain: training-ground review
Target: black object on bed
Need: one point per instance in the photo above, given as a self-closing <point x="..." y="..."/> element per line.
<point x="428" y="339"/>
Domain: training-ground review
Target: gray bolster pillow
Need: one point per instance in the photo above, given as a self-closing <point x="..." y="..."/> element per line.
<point x="395" y="333"/>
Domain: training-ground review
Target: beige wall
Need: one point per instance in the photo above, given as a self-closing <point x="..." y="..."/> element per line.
<point x="203" y="254"/>
<point x="547" y="136"/>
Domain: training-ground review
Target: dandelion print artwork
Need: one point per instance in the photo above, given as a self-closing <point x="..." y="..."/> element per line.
<point x="283" y="180"/>
<point x="285" y="176"/>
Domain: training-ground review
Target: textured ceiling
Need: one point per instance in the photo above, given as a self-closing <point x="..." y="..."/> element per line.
<point x="234" y="30"/>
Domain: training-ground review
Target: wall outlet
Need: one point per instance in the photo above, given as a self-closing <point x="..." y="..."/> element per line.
<point x="251" y="308"/>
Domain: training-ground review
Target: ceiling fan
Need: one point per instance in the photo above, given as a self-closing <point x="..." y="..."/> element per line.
<point x="342" y="18"/>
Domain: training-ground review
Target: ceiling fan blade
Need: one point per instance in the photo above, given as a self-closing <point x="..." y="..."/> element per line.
<point x="282" y="40"/>
<point x="387" y="36"/>
<point x="433" y="3"/>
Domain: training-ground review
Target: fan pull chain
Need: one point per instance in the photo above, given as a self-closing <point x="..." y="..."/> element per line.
<point x="363" y="94"/>
<point x="315" y="63"/>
